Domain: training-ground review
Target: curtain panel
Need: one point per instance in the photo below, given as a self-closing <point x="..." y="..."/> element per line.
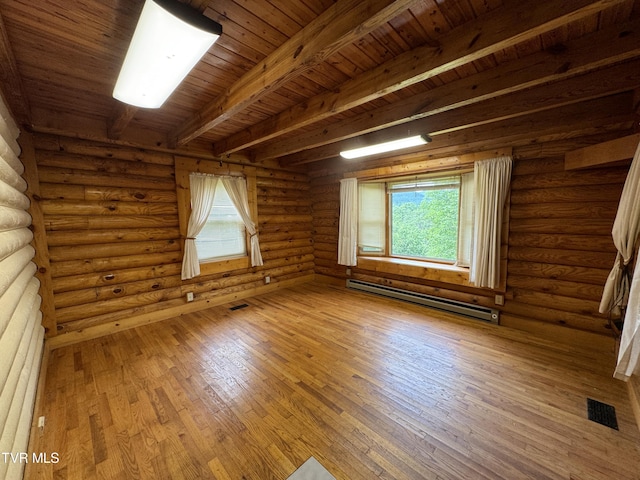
<point x="203" y="191"/>
<point x="348" y="228"/>
<point x="492" y="178"/>
<point x="621" y="292"/>
<point x="237" y="189"/>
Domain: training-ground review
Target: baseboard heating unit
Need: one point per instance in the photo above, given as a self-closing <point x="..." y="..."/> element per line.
<point x="466" y="309"/>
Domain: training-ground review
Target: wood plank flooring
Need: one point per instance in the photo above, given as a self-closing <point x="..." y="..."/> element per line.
<point x="371" y="387"/>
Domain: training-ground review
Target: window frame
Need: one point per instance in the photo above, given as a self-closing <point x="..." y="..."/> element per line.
<point x="386" y="252"/>
<point x="418" y="164"/>
<point x="183" y="168"/>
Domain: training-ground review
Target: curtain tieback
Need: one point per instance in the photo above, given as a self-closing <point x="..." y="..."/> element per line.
<point x="189" y="238"/>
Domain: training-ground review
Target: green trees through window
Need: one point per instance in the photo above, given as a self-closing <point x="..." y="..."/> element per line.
<point x="424" y="223"/>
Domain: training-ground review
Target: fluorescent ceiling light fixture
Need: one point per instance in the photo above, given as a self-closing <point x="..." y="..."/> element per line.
<point x="386" y="147"/>
<point x="169" y="40"/>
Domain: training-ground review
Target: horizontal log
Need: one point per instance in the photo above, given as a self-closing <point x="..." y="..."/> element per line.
<point x="322" y="190"/>
<point x="263" y="182"/>
<point x="280" y="219"/>
<point x="601" y="340"/>
<point x="572" y="211"/>
<point x="557" y="317"/>
<point x="285" y="228"/>
<point x="288" y="252"/>
<point x="285" y="244"/>
<point x="52" y="191"/>
<point x="589" y="243"/>
<point x="326" y="222"/>
<point x="277" y="193"/>
<point x="78" y="312"/>
<point x="102" y="150"/>
<point x="330" y="231"/>
<point x="87" y="252"/>
<point x="64" y="237"/>
<point x="264" y="200"/>
<point x="267" y="237"/>
<point x="536" y="165"/>
<point x="67" y="207"/>
<point x="563" y="288"/>
<point x="284" y="210"/>
<point x="586" y="194"/>
<point x="281" y="175"/>
<point x="113" y="277"/>
<point x="324" y="247"/>
<point x="558" y="148"/>
<point x="326" y="239"/>
<point x="564" y="179"/>
<point x="562" y="257"/>
<point x="96" y="294"/>
<point x="78" y="177"/>
<point x="332" y="206"/>
<point x="585" y="226"/>
<point x="326" y="253"/>
<point x="591" y="275"/>
<point x="69" y="222"/>
<point x="78" y="267"/>
<point x="103" y="164"/>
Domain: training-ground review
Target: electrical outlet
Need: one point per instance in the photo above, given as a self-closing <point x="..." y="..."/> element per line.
<point x="499" y="300"/>
<point x="189" y="296"/>
<point x="348" y="272"/>
<point x="267" y="279"/>
<point x="41" y="423"/>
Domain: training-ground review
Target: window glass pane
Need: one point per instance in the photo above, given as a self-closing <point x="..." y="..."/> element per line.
<point x="224" y="233"/>
<point x="424" y="218"/>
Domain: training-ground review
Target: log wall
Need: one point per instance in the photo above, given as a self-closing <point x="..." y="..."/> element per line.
<point x="559" y="242"/>
<point x="112" y="228"/>
<point x="560" y="245"/>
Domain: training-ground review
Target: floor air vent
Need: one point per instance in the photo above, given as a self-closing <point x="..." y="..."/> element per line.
<point x="602" y="413"/>
<point x="453" y="306"/>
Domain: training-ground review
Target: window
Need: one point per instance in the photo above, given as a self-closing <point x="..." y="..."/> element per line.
<point x="424" y="218"/>
<point x="231" y="247"/>
<point x="223" y="236"/>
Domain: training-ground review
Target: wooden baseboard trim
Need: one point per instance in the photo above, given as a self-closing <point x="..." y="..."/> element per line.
<point x="74" y="337"/>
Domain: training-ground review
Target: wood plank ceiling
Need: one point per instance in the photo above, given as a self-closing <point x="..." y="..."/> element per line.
<point x="298" y="81"/>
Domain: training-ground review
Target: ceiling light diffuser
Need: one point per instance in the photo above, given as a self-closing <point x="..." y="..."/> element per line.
<point x="386" y="147"/>
<point x="169" y="40"/>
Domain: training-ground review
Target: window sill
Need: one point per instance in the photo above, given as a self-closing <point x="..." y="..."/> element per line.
<point x="438" y="272"/>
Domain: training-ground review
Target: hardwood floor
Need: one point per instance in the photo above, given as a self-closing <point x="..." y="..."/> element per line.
<point x="373" y="388"/>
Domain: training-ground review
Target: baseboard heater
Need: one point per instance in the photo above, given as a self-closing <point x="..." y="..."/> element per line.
<point x="466" y="309"/>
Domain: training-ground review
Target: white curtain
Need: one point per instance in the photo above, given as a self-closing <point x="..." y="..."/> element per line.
<point x="492" y="178"/>
<point x="237" y="189"/>
<point x="348" y="229"/>
<point x="618" y="291"/>
<point x="203" y="191"/>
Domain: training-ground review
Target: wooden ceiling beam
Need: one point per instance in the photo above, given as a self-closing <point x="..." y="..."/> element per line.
<point x="486" y="35"/>
<point x="340" y="25"/>
<point x="561" y="62"/>
<point x="10" y="81"/>
<point x="598" y="115"/>
<point x="618" y="78"/>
